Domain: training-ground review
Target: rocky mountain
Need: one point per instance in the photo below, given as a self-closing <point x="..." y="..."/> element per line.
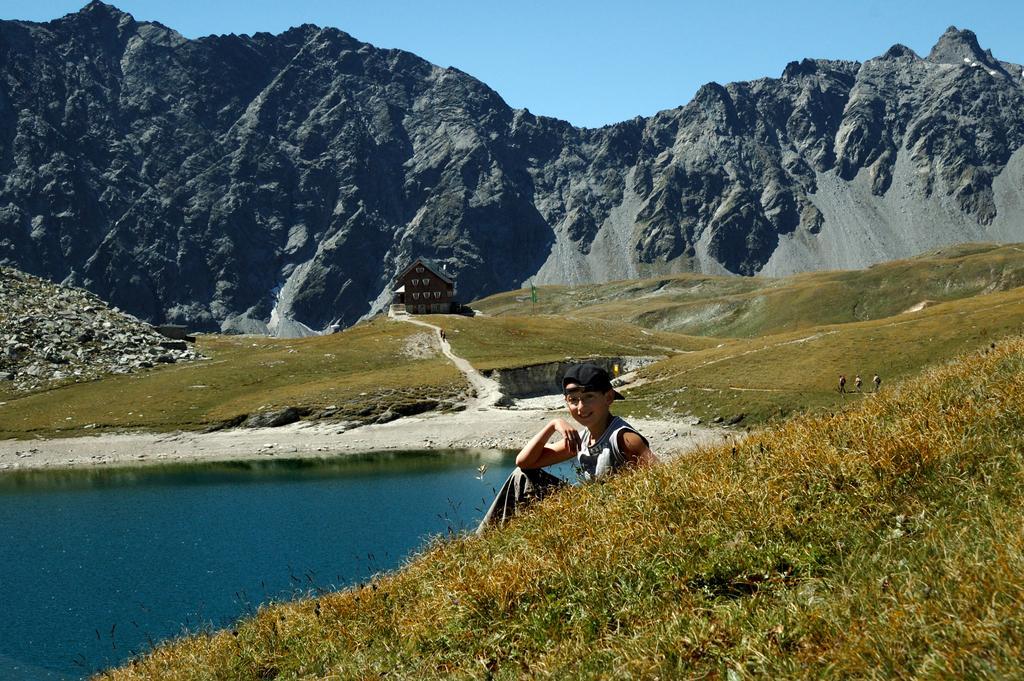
<point x="277" y="183"/>
<point x="52" y="335"/>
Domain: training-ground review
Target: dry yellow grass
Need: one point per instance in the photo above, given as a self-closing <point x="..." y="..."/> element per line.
<point x="882" y="541"/>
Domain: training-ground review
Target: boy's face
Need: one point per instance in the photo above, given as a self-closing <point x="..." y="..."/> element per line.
<point x="588" y="407"/>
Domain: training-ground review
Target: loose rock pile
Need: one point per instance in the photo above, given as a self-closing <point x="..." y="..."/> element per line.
<point x="52" y="334"/>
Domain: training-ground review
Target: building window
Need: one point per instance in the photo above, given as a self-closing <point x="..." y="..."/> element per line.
<point x="437" y="294"/>
<point x="419" y="270"/>
<point x="426" y="281"/>
<point x="415" y="282"/>
<point x="416" y="296"/>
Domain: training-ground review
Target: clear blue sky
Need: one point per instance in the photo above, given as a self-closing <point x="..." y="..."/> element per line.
<point x="596" y="61"/>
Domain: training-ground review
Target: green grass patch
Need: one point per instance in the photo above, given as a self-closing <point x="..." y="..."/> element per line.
<point x="370" y="368"/>
<point x="760" y="347"/>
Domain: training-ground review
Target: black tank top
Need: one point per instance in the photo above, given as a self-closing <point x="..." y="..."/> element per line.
<point x="604" y="456"/>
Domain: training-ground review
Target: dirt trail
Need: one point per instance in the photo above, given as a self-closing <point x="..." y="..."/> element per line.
<point x="488" y="393"/>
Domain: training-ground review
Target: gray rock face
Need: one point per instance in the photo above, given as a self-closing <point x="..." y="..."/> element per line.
<point x="277" y="183"/>
<point x="274" y="419"/>
<point x="51" y="334"/>
<point x="544" y="379"/>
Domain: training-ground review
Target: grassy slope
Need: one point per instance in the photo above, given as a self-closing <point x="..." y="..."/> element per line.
<point x="512" y="341"/>
<point x="761" y="372"/>
<point x="365" y="370"/>
<point x="877" y="542"/>
<point x="360" y="369"/>
<point x="779" y="374"/>
<point x="718" y="306"/>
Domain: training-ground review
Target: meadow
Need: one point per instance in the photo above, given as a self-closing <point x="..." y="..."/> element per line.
<point x="739" y="350"/>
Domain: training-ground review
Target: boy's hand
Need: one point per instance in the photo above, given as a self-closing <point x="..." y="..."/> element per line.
<point x="537" y="453"/>
<point x="569" y="435"/>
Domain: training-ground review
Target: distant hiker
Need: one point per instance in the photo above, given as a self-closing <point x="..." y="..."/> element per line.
<point x="605" y="445"/>
<point x="842" y="383"/>
<point x="857" y="382"/>
<point x="442" y="335"/>
<point x="877" y="381"/>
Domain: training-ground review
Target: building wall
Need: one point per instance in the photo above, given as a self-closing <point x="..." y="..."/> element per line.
<point x="425" y="292"/>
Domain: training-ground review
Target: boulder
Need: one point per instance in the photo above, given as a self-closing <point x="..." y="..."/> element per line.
<point x="274" y="418"/>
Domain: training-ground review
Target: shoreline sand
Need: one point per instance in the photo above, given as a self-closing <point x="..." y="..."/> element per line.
<point x="481" y="428"/>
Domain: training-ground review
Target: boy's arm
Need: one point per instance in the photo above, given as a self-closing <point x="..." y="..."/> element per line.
<point x="538" y="454"/>
<point x="635" y="449"/>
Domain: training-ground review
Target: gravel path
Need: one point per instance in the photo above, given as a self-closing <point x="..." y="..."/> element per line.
<point x="487" y="391"/>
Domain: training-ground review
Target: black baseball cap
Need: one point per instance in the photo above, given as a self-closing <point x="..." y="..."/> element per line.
<point x="590" y="378"/>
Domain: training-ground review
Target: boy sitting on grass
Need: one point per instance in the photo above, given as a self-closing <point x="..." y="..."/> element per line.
<point x="605" y="444"/>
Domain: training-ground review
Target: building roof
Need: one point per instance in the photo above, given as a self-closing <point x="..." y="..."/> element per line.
<point x="434" y="267"/>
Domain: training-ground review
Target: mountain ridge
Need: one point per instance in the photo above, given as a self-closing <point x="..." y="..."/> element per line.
<point x="275" y="183"/>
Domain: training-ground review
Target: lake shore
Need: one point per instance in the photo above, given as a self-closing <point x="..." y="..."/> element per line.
<point x="481" y="428"/>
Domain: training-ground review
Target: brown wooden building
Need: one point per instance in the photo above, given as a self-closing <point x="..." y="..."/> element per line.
<point x="424" y="288"/>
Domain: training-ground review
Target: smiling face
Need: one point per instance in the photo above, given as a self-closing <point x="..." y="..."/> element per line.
<point x="588" y="407"/>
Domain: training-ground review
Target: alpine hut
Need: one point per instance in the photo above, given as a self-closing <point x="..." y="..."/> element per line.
<point x="424" y="288"/>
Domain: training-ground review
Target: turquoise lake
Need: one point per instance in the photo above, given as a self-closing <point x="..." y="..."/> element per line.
<point x="96" y="565"/>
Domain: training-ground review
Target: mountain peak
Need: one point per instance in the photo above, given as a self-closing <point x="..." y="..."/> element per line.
<point x="101" y="16"/>
<point x="957" y="46"/>
<point x="900" y="51"/>
<point x="804" y="67"/>
<point x="101" y="9"/>
<point x="411" y="158"/>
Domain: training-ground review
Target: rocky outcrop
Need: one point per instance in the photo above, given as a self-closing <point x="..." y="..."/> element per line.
<point x="275" y="418"/>
<point x="277" y="183"/>
<point x="52" y="335"/>
<point x="544" y="379"/>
